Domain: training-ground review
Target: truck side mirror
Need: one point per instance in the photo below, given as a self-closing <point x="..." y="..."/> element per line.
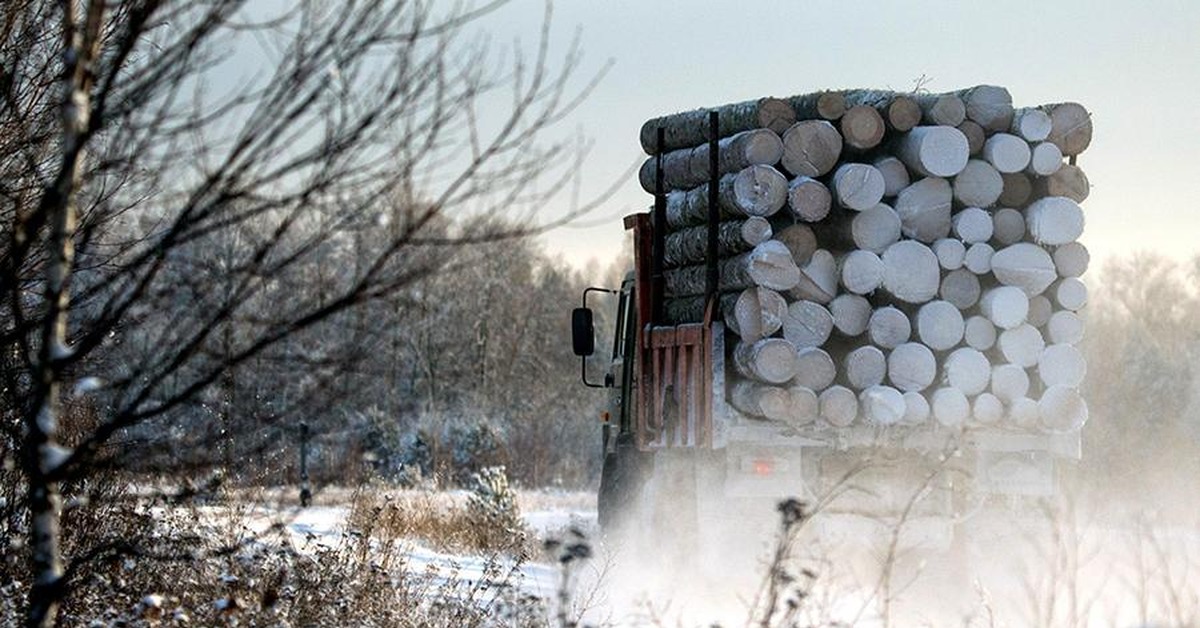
<point x="583" y="332"/>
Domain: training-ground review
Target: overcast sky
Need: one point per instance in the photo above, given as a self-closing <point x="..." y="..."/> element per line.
<point x="1135" y="65"/>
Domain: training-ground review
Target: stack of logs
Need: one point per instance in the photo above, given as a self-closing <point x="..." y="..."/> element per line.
<point x="887" y="258"/>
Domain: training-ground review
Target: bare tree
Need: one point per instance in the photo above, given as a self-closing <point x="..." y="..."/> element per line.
<point x="161" y="201"/>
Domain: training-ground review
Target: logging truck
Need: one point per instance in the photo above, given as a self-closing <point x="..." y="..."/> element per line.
<point x="693" y="441"/>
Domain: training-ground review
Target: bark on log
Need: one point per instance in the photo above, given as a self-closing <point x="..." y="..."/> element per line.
<point x="690" y="128"/>
<point x="1071" y="294"/>
<point x="911" y="272"/>
<point x="755" y="191"/>
<point x="1008" y="226"/>
<point x="975" y="135"/>
<point x="895" y="175"/>
<point x="972" y="225"/>
<point x="755" y="399"/>
<point x="950" y="253"/>
<point x="815" y="370"/>
<point x="978" y="258"/>
<point x="987" y="409"/>
<point x="979" y="333"/>
<point x="1064" y="327"/>
<point x="1023" y="413"/>
<point x="1006" y="306"/>
<point x="800" y="242"/>
<point x="688" y="168"/>
<point x="1069" y="181"/>
<point x="1040" y="310"/>
<point x="950" y="407"/>
<point x="691" y="309"/>
<point x="808" y="199"/>
<point x="818" y="279"/>
<point x="1054" y="220"/>
<point x="1045" y="159"/>
<point x="968" y="370"/>
<point x="864" y="367"/>
<point x="916" y="409"/>
<point x="807" y="324"/>
<point x="889" y="327"/>
<point x="1026" y="266"/>
<point x="899" y="112"/>
<point x="875" y="229"/>
<point x="911" y="367"/>
<point x="960" y="288"/>
<point x="1022" y="345"/>
<point x="1071" y="127"/>
<point x="934" y="151"/>
<point x="839" y="406"/>
<point x="882" y="405"/>
<point x="1009" y="382"/>
<point x="862" y="128"/>
<point x="811" y="148"/>
<point x="1007" y="153"/>
<point x="939" y="325"/>
<point x="924" y="209"/>
<point x="1031" y="124"/>
<point x="857" y="186"/>
<point x="1062" y="409"/>
<point x="978" y="185"/>
<point x="851" y="313"/>
<point x="768" y="265"/>
<point x="756" y="314"/>
<point x="1071" y="259"/>
<point x="1017" y="189"/>
<point x="941" y="109"/>
<point x="770" y="360"/>
<point x="989" y="106"/>
<point x="861" y="271"/>
<point x="690" y="245"/>
<point x="1062" y="365"/>
<point x="826" y="105"/>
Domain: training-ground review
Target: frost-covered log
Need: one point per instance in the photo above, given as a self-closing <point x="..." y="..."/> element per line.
<point x="911" y="272"/>
<point x="1005" y="306"/>
<point x="1071" y="259"/>
<point x="1064" y="327"/>
<point x="898" y="111"/>
<point x="972" y="225"/>
<point x="979" y="333"/>
<point x="975" y="135"/>
<point x="968" y="370"/>
<point x="839" y="406"/>
<point x="950" y="252"/>
<point x="857" y="186"/>
<point x="815" y="369"/>
<point x="889" y="327"/>
<point x="811" y="148"/>
<point x="1040" y="310"/>
<point x="1007" y="153"/>
<point x="978" y="258"/>
<point x="989" y="106"/>
<point x="818" y="278"/>
<point x="690" y="245"/>
<point x="1062" y="365"/>
<point x="1026" y="266"/>
<point x="939" y="325"/>
<point x="1071" y="127"/>
<point x="924" y="209"/>
<point x="1030" y="124"/>
<point x="691" y="128"/>
<point x="950" y="406"/>
<point x="911" y="367"/>
<point x="807" y="324"/>
<point x="960" y="288"/>
<point x="851" y="313"/>
<point x="1071" y="294"/>
<point x="987" y="409"/>
<point x="895" y="175"/>
<point x="806" y="407"/>
<point x="862" y="128"/>
<point x="875" y="229"/>
<point x="934" y="151"/>
<point x="978" y="185"/>
<point x="1017" y="189"/>
<point x="1021" y="345"/>
<point x="769" y="360"/>
<point x="768" y="265"/>
<point x="882" y="405"/>
<point x="1008" y="226"/>
<point x="941" y="109"/>
<point x="1054" y="220"/>
<point x="755" y="399"/>
<point x="864" y="367"/>
<point x="1023" y="413"/>
<point x="808" y="199"/>
<point x="799" y="240"/>
<point x="1062" y="409"/>
<point x="1045" y="159"/>
<point x="754" y="191"/>
<point x="1009" y="382"/>
<point x="756" y="313"/>
<point x="861" y="271"/>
